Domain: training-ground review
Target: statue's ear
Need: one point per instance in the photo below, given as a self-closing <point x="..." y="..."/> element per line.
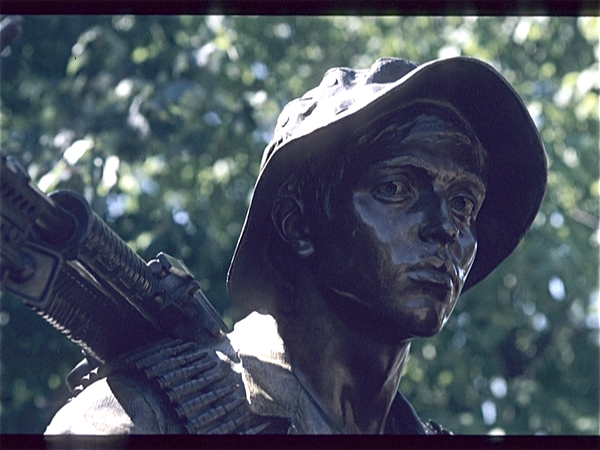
<point x="288" y="218"/>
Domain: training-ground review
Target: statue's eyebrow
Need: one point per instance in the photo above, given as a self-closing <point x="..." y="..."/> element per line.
<point x="402" y="161"/>
<point x="472" y="181"/>
<point x="414" y="163"/>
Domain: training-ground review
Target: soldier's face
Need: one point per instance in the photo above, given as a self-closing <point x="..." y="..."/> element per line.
<point x="406" y="239"/>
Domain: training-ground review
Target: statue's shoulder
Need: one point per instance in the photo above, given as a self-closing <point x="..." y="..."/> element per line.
<point x="116" y="404"/>
<point x="171" y="387"/>
<point x="190" y="382"/>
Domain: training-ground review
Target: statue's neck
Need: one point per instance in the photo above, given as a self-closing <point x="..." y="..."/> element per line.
<point x="353" y="376"/>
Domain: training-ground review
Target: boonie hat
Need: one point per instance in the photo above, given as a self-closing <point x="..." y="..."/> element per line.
<point x="346" y="99"/>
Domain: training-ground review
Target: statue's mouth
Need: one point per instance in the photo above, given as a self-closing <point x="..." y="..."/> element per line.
<point x="432" y="276"/>
<point x="434" y="281"/>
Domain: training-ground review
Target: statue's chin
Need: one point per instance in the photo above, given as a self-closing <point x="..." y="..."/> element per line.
<point x="419" y="317"/>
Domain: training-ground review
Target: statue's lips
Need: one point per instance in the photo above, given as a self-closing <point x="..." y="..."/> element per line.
<point x="440" y="280"/>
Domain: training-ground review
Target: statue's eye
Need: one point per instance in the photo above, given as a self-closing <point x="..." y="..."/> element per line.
<point x="392" y="191"/>
<point x="463" y="205"/>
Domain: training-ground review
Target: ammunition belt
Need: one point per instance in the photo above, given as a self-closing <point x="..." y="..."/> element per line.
<point x="203" y="390"/>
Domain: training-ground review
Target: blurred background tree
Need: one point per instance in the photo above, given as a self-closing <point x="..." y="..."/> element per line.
<point x="161" y="121"/>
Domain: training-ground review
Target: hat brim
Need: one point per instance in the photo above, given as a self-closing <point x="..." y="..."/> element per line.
<point x="517" y="165"/>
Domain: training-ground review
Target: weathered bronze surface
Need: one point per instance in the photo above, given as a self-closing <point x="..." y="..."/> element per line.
<point x="384" y="194"/>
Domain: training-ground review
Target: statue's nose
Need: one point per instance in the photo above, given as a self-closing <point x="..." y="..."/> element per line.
<point x="438" y="222"/>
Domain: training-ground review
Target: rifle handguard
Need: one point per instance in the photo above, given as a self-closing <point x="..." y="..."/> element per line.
<point x="85" y="280"/>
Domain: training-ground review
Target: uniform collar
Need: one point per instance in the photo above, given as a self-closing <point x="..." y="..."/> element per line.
<point x="274" y="389"/>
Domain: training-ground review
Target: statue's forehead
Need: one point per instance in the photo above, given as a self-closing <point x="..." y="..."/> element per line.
<point x="419" y="119"/>
<point x="439" y="167"/>
<point x="428" y="135"/>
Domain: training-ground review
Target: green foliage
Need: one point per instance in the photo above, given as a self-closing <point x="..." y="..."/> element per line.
<point x="161" y="121"/>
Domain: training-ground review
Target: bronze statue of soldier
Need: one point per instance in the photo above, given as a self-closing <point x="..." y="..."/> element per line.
<point x="384" y="194"/>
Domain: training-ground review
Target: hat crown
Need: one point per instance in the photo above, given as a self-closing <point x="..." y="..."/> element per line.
<point x="341" y="91"/>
